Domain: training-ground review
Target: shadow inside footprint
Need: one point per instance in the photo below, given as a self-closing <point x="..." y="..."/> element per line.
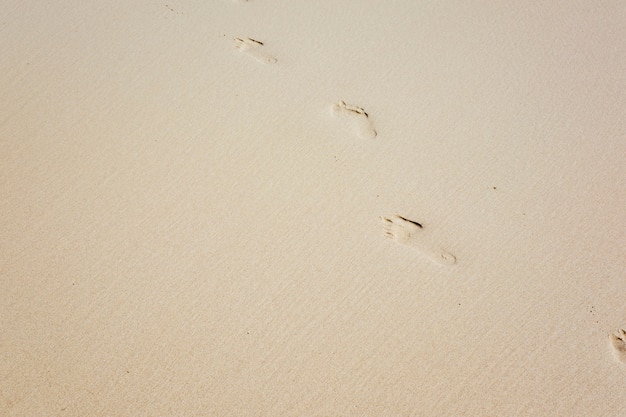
<point x="407" y="232"/>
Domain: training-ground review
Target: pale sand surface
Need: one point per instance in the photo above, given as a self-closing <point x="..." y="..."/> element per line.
<point x="190" y="224"/>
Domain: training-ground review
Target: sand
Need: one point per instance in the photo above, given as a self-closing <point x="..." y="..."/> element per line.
<point x="330" y="208"/>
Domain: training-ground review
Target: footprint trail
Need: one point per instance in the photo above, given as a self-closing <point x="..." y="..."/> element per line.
<point x="407" y="232"/>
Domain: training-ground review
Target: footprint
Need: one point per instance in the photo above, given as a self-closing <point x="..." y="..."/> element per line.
<point x="171" y="9"/>
<point x="255" y="49"/>
<point x="355" y="117"/>
<point x="408" y="232"/>
<point x="618" y="341"/>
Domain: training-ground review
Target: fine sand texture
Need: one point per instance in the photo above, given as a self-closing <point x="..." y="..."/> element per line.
<point x="312" y="209"/>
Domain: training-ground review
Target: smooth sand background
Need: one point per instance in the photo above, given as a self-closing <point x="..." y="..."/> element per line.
<point x="185" y="230"/>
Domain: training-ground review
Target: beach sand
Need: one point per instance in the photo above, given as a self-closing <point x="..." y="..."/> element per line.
<point x="289" y="208"/>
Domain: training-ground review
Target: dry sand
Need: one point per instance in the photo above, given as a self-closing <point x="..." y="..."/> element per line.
<point x="194" y="199"/>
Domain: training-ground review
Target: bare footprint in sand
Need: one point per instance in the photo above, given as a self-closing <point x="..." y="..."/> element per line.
<point x="407" y="232"/>
<point x="255" y="49"/>
<point x="356" y="118"/>
<point x="618" y="341"/>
